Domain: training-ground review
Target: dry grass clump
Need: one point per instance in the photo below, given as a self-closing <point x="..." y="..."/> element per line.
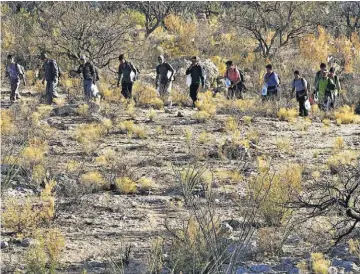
<point x="106" y="158"/>
<point x="145" y="184"/>
<point x="132" y="129"/>
<point x="284" y="145"/>
<point x="319" y="264"/>
<point x="25" y="217"/>
<point x="347" y="157"/>
<point x="346" y="115"/>
<point x="276" y="189"/>
<point x="326" y="122"/>
<point x="354" y="247"/>
<point x="231" y="125"/>
<point x="125" y="185"/>
<point x="34" y="153"/>
<point x="207" y="107"/>
<point x="287" y="114"/>
<point x="83" y="110"/>
<point x="247" y="120"/>
<point x="94" y="180"/>
<point x="151" y="114"/>
<point x="339" y="143"/>
<point x="253" y="136"/>
<point x="147" y="96"/>
<point x="6" y="122"/>
<point x="204" y="137"/>
<point x="45" y="252"/>
<point x="180" y="97"/>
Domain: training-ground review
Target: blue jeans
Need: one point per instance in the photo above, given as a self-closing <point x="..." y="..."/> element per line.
<point x="87" y="89"/>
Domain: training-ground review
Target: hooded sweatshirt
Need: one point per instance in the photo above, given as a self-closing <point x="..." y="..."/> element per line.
<point x="162" y="70"/>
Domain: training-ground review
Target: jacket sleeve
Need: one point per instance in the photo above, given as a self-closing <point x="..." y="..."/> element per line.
<point x="202" y="78"/>
<point x="188" y="71"/>
<point x="169" y="67"/>
<point x="119" y="73"/>
<point x="79" y="69"/>
<point x="56" y="72"/>
<point x="338" y="86"/>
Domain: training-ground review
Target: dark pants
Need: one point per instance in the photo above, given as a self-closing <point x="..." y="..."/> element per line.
<point x="51" y="90"/>
<point x="302" y="99"/>
<point x="126" y="90"/>
<point x="194" y="92"/>
<point x="14" y="83"/>
<point x="236" y="92"/>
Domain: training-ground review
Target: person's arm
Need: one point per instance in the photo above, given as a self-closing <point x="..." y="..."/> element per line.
<point x="92" y="72"/>
<point x="202" y="77"/>
<point x="188" y="71"/>
<point x="157" y="76"/>
<point x="22" y="74"/>
<point x="170" y="68"/>
<point x="119" y="75"/>
<point x="44" y="68"/>
<point x="316" y="82"/>
<point x="293" y="89"/>
<point x="338" y="86"/>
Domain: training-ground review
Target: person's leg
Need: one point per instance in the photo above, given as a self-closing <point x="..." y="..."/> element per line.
<point x="13" y="87"/>
<point x="124" y="90"/>
<point x="16" y="89"/>
<point x="193" y="92"/>
<point x="49" y="91"/>
<point x="239" y="91"/>
<point x="130" y="86"/>
<point x="302" y="106"/>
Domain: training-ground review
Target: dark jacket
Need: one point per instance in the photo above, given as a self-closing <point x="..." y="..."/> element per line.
<point x="162" y="71"/>
<point x="88" y="71"/>
<point x="197" y="74"/>
<point x="51" y="70"/>
<point x="124" y="72"/>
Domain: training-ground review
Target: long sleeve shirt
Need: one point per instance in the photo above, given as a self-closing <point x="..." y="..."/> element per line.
<point x="197" y="74"/>
<point x="87" y="70"/>
<point x="162" y="72"/>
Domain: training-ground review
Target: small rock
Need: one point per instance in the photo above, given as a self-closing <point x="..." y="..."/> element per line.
<point x="261" y="268"/>
<point x="166" y="110"/>
<point x="134" y="204"/>
<point x="349" y="266"/>
<point x="4" y="244"/>
<point x="235" y="224"/>
<point x="26" y="242"/>
<point x="179" y="114"/>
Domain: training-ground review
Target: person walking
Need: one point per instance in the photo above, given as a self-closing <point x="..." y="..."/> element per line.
<point x="197" y="78"/>
<point x="51" y="76"/>
<point x="127" y="74"/>
<point x="333" y="87"/>
<point x="88" y="71"/>
<point x="272" y="82"/>
<point x="318" y="76"/>
<point x="14" y="71"/>
<point x="235" y="90"/>
<point x="163" y="80"/>
<point x="299" y="85"/>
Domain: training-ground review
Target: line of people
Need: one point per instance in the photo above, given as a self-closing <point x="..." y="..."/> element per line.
<point x="326" y="85"/>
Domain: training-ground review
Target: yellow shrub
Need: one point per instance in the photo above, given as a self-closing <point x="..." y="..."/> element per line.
<point x="326" y="122"/>
<point x="276" y="189"/>
<point x="38" y="173"/>
<point x="145" y="184"/>
<point x="125" y="185"/>
<point x="219" y="63"/>
<point x="93" y="179"/>
<point x="26" y="216"/>
<point x="319" y="264"/>
<point x="107" y="123"/>
<point x="152" y="114"/>
<point x="6" y="123"/>
<point x="179" y="97"/>
<point x="339" y="143"/>
<point x="201" y="116"/>
<point x="346" y="115"/>
<point x="207" y="103"/>
<point x="284" y="145"/>
<point x="46" y="250"/>
<point x="89" y="133"/>
<point x="147" y="95"/>
<point x="72" y="166"/>
<point x="252" y="136"/>
<point x="204" y="137"/>
<point x="346" y="157"/>
<point x="354" y="247"/>
<point x="247" y="120"/>
<point x="107" y="158"/>
<point x="33" y="154"/>
<point x="188" y="136"/>
<point x="287" y="114"/>
<point x="83" y="109"/>
<point x="59" y="101"/>
<point x="231" y="125"/>
<point x="132" y="129"/>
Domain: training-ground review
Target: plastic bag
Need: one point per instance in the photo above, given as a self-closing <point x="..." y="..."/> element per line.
<point x="264" y="90"/>
<point x="227" y="82"/>
<point x="94" y="90"/>
<point x="188" y="80"/>
<point x="307" y="105"/>
<point x="132" y="76"/>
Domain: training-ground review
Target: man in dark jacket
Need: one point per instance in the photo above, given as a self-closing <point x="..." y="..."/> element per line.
<point x="164" y="77"/>
<point x="126" y="74"/>
<point x="15" y="72"/>
<point x="87" y="70"/>
<point x="51" y="75"/>
<point x="197" y="78"/>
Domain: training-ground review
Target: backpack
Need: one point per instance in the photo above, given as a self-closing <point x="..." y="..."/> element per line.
<point x="54" y="68"/>
<point x="15" y="71"/>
